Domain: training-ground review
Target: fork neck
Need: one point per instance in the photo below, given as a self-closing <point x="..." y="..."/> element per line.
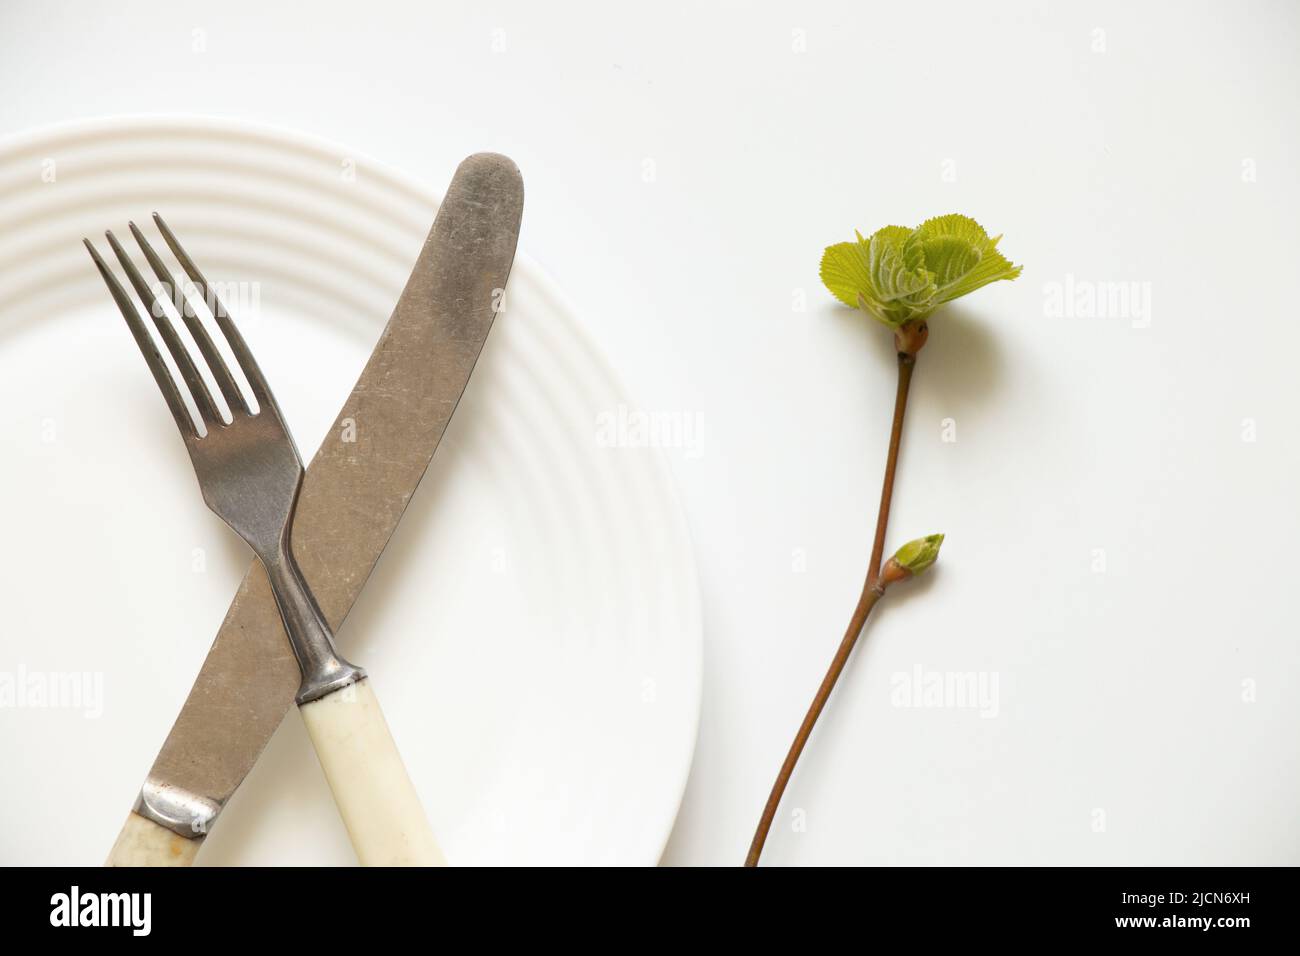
<point x="323" y="669"/>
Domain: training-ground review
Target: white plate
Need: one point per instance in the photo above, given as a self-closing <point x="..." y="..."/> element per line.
<point x="533" y="628"/>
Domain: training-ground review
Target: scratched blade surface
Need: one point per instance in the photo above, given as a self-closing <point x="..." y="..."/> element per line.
<point x="355" y="492"/>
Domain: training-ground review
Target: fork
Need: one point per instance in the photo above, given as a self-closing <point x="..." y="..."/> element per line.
<point x="250" y="473"/>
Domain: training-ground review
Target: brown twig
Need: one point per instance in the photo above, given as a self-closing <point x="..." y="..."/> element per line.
<point x="872" y="590"/>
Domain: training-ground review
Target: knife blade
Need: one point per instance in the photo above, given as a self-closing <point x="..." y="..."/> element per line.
<point x="353" y="495"/>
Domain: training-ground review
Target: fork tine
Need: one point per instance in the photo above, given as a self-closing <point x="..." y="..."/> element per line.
<point x="217" y="365"/>
<point x="152" y="357"/>
<point x="256" y="381"/>
<point x="153" y="304"/>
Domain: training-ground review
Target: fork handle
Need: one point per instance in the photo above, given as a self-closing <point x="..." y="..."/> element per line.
<point x="374" y="794"/>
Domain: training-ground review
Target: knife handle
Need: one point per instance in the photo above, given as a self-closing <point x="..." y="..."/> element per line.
<point x="374" y="794"/>
<point x="145" y="843"/>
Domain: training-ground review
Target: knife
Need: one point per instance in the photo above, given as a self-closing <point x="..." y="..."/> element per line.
<point x="353" y="495"/>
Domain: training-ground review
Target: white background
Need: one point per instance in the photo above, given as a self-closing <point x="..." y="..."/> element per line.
<point x="1118" y="552"/>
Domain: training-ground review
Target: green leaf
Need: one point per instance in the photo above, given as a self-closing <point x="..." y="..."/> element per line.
<point x="949" y="258"/>
<point x="845" y="271"/>
<point x="988" y="266"/>
<point x="918" y="555"/>
<point x="897" y="266"/>
<point x="900" y="274"/>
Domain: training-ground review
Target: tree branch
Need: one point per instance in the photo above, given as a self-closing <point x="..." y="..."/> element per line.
<point x="872" y="590"/>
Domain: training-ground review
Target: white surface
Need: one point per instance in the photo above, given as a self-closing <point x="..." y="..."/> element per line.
<point x="534" y="620"/>
<point x="1119" y="692"/>
<point x="380" y="808"/>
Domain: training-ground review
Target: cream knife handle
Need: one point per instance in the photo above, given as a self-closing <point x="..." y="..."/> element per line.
<point x="373" y="792"/>
<point x="145" y="843"/>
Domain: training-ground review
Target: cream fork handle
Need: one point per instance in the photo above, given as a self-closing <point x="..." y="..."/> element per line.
<point x="374" y="794"/>
<point x="371" y="788"/>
